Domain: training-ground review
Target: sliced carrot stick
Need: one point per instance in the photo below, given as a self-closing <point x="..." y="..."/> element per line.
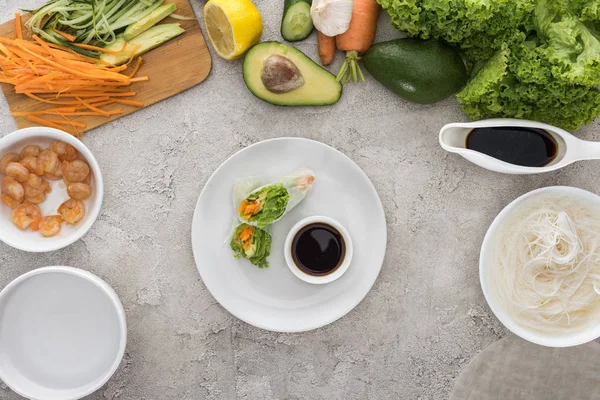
<point x="97" y="74"/>
<point x="67" y="122"/>
<point x="100" y="49"/>
<point x="138" y="64"/>
<point x="75" y="85"/>
<point x="93" y="108"/>
<point x="49" y="124"/>
<point x="61" y="102"/>
<point x="50" y="110"/>
<point x="19" y="26"/>
<point x="92" y="113"/>
<point x="67" y="36"/>
<point x="96" y="94"/>
<point x="140" y="79"/>
<point x="129" y="102"/>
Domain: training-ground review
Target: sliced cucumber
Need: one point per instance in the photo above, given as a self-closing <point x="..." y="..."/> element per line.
<point x="297" y="23"/>
<point x="149" y="21"/>
<point x="142" y="43"/>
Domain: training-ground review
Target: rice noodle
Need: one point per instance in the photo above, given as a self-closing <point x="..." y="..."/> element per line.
<point x="547" y="265"/>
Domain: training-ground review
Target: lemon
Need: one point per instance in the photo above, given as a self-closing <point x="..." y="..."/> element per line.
<point x="233" y="26"/>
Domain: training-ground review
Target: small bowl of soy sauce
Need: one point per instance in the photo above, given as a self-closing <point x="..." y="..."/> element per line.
<point x="318" y="250"/>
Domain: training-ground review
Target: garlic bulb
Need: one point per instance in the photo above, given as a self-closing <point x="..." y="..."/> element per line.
<point x="331" y="17"/>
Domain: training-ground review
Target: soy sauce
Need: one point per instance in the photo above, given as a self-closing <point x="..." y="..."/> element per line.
<point x="318" y="249"/>
<point x="527" y="147"/>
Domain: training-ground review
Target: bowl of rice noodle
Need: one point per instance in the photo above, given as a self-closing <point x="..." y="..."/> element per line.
<point x="539" y="266"/>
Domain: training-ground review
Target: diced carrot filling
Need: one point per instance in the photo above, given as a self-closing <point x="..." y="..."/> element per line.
<point x="249" y="208"/>
<point x="245" y="237"/>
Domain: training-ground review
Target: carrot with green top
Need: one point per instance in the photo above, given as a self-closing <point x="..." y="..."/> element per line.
<point x="357" y="39"/>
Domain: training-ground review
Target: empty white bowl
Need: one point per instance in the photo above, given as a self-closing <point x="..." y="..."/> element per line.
<point x="62" y="333"/>
<point x="34" y="241"/>
<point x="318" y="279"/>
<point x="489" y="289"/>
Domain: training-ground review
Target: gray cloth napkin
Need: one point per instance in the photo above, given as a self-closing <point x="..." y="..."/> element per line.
<point x="514" y="369"/>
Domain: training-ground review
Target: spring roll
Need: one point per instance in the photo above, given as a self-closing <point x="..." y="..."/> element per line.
<point x="252" y="243"/>
<point x="267" y="204"/>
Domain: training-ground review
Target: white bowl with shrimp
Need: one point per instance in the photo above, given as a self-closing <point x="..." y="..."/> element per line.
<point x="33" y="241"/>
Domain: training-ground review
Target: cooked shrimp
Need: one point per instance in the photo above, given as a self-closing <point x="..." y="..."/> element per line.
<point x="7" y="159"/>
<point x="30" y="162"/>
<point x="27" y="215"/>
<point x="17" y="171"/>
<point x="75" y="171"/>
<point x="39" y="199"/>
<point x="47" y="162"/>
<point x="32" y="150"/>
<point x="36" y="186"/>
<point x="65" y="151"/>
<point x="305" y="181"/>
<point x="9" y="201"/>
<point x="79" y="191"/>
<point x="50" y="225"/>
<point x="54" y="176"/>
<point x="12" y="188"/>
<point x="72" y="211"/>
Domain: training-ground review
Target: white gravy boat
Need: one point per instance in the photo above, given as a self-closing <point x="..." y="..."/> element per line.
<point x="453" y="138"/>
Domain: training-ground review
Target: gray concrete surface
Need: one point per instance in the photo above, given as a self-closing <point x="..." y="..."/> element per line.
<point x="409" y="339"/>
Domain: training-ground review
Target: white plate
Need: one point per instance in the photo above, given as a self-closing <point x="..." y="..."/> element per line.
<point x="273" y="298"/>
<point x="62" y="333"/>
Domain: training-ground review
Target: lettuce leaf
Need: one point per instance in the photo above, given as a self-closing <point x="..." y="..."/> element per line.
<point x="274" y="200"/>
<point x="260" y="246"/>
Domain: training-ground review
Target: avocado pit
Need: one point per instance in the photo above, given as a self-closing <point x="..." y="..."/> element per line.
<point x="280" y="75"/>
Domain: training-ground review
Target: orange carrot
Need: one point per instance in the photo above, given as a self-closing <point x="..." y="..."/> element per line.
<point x="94" y="108"/>
<point x="326" y="48"/>
<point x="138" y="64"/>
<point x="140" y="79"/>
<point x="19" y="26"/>
<point x="67" y="36"/>
<point x="100" y="49"/>
<point x="73" y="84"/>
<point x="67" y="122"/>
<point x="128" y="102"/>
<point x="50" y="110"/>
<point x="49" y="124"/>
<point x="93" y="113"/>
<point x="357" y="39"/>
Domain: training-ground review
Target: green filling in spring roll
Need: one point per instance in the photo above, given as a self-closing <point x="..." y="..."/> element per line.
<point x="264" y="206"/>
<point x="252" y="243"/>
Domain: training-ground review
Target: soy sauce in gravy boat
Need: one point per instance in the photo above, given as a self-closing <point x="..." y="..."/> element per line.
<point x="514" y="146"/>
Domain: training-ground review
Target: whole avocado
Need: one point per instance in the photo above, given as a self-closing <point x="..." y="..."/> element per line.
<point x="421" y="71"/>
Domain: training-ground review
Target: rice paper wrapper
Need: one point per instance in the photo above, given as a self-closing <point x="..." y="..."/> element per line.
<point x="294" y="183"/>
<point x="514" y="369"/>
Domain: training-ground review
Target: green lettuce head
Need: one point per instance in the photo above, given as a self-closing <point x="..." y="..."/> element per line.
<point x="251" y="243"/>
<point x="264" y="206"/>
<point x="571" y="46"/>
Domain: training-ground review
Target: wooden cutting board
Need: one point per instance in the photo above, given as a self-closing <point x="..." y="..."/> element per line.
<point x="172" y="68"/>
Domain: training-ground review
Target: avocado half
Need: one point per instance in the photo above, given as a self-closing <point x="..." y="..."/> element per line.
<point x="314" y="87"/>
